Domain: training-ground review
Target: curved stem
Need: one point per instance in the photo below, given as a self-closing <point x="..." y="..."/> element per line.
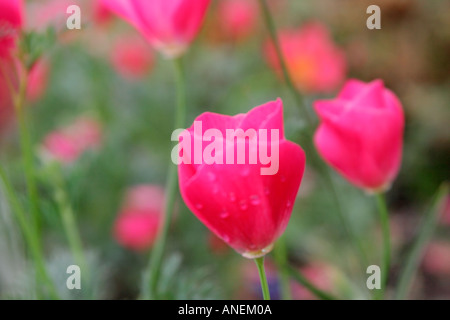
<point x="68" y="220"/>
<point x="384" y="218"/>
<point x="262" y="277"/>
<point x="417" y="250"/>
<point x="27" y="153"/>
<point x="171" y="185"/>
<point x="287" y="78"/>
<point x="308" y="285"/>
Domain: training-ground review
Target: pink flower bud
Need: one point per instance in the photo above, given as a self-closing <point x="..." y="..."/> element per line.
<point x="243" y="204"/>
<point x="169" y="25"/>
<point x="361" y="134"/>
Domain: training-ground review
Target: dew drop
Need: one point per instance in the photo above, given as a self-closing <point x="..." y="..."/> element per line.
<point x="288" y="204"/>
<point x="243" y="205"/>
<point x="199" y="206"/>
<point x="224" y="214"/>
<point x="252" y="246"/>
<point x="226" y="238"/>
<point x="232" y="197"/>
<point x="266" y="191"/>
<point x="254" y="200"/>
<point x="283" y="179"/>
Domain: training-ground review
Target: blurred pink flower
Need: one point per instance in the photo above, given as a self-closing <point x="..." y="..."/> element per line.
<point x="237" y="18"/>
<point x="361" y="134"/>
<point x="68" y="144"/>
<point x="101" y="15"/>
<point x="132" y="57"/>
<point x="312" y="59"/>
<point x="11" y="21"/>
<point x="437" y="259"/>
<point x="37" y="80"/>
<point x="446" y="212"/>
<point x="138" y="223"/>
<point x="169" y="25"/>
<point x="320" y="275"/>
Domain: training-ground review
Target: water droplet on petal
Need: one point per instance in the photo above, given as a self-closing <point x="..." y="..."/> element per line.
<point x="232" y="197"/>
<point x="215" y="189"/>
<point x="224" y="214"/>
<point x="288" y="204"/>
<point x="243" y="205"/>
<point x="254" y="200"/>
<point x="266" y="191"/>
<point x="226" y="238"/>
<point x="252" y="246"/>
<point x="283" y="178"/>
<point x="199" y="206"/>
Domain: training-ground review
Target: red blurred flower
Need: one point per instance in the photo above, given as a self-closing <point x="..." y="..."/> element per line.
<point x="68" y="144"/>
<point x="237" y="18"/>
<point x="361" y="134"/>
<point x="437" y="259"/>
<point x="138" y="223"/>
<point x="169" y="25"/>
<point x="132" y="57"/>
<point x="11" y="21"/>
<point x="100" y="13"/>
<point x="313" y="61"/>
<point x="247" y="210"/>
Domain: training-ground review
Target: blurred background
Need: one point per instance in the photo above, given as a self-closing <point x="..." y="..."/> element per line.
<point x="105" y="84"/>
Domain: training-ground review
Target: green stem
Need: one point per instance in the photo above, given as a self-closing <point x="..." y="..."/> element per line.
<point x="415" y="255"/>
<point x="262" y="277"/>
<point x="280" y="253"/>
<point x="29" y="235"/>
<point x="68" y="220"/>
<point x="286" y="75"/>
<point x="348" y="229"/>
<point x="308" y="285"/>
<point x="27" y="152"/>
<point x="384" y="218"/>
<point x="171" y="185"/>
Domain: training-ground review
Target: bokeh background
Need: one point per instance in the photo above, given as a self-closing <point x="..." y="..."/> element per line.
<point x="228" y="73"/>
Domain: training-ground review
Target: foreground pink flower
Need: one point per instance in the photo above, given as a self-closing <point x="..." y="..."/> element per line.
<point x="132" y="57"/>
<point x="237" y="18"/>
<point x="313" y="61"/>
<point x="169" y="25"/>
<point x="246" y="209"/>
<point x="11" y="21"/>
<point x="138" y="223"/>
<point x="68" y="144"/>
<point x="361" y="134"/>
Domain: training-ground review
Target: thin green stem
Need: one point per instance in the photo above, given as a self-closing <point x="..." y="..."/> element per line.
<point x="286" y="75"/>
<point x="171" y="186"/>
<point x="30" y="236"/>
<point x="308" y="285"/>
<point x="384" y="218"/>
<point x="262" y="277"/>
<point x="68" y="220"/>
<point x="281" y="258"/>
<point x="416" y="253"/>
<point x="27" y="153"/>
